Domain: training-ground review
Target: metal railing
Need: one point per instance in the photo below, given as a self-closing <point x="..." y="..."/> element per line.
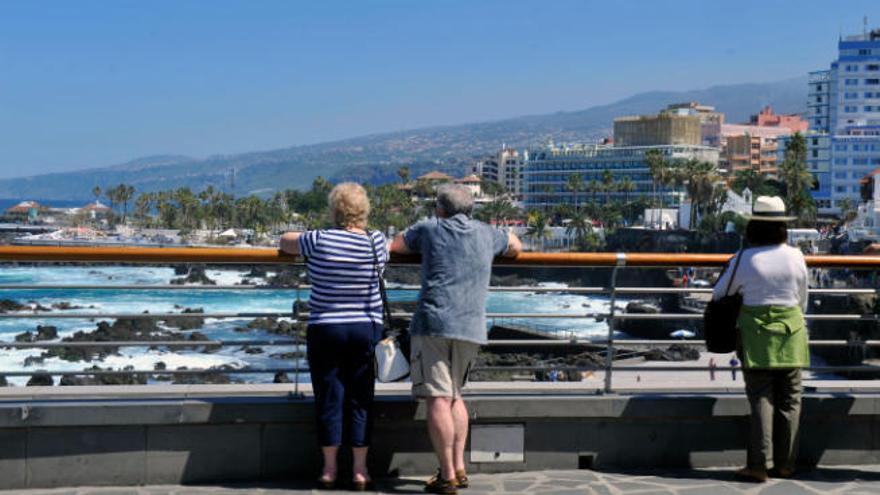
<point x="555" y="337"/>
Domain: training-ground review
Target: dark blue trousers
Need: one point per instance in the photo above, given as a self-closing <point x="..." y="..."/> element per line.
<point x="343" y="380"/>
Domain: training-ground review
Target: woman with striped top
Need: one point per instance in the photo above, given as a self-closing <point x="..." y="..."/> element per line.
<point x="345" y="322"/>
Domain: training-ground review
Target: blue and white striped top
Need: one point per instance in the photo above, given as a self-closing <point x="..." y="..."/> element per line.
<point x="342" y="271"/>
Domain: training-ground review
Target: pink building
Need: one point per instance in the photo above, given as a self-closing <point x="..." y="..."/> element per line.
<point x="766" y="118"/>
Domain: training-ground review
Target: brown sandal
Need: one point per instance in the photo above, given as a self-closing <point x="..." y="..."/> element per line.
<point x="438" y="485"/>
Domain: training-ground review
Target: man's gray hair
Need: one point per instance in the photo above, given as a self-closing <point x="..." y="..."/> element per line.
<point x="453" y="199"/>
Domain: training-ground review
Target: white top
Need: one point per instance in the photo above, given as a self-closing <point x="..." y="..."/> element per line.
<point x="768" y="276"/>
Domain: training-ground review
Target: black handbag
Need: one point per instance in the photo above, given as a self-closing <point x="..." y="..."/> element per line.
<point x="719" y="319"/>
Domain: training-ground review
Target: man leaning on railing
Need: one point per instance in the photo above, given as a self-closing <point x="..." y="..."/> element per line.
<point x="449" y="324"/>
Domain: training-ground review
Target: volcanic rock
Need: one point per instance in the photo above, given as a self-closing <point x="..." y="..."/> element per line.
<point x="40" y="379"/>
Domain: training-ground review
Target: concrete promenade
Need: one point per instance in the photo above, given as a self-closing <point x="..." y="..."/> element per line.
<point x="829" y="480"/>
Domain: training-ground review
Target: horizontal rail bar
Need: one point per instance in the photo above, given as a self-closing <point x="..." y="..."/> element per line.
<point x="288" y="342"/>
<point x="149" y="343"/>
<point x="257" y="256"/>
<point x="657" y="342"/>
<point x="161" y="316"/>
<point x="527" y="289"/>
<point x="46" y="315"/>
<point x="153" y="372"/>
<point x="652" y="369"/>
<point x="699" y="316"/>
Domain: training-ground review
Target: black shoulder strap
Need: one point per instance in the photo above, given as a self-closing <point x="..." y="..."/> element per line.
<point x="733" y="274"/>
<point x="386" y="308"/>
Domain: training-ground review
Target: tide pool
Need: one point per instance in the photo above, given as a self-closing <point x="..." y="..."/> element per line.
<point x="238" y="301"/>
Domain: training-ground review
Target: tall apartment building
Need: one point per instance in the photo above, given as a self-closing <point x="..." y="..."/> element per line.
<point x="548" y="171"/>
<point x="505" y="168"/>
<point x="843" y="110"/>
<point x="676" y="134"/>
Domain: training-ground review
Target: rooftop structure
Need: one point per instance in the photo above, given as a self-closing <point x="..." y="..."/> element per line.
<point x="767" y="118"/>
<point x="679" y="123"/>
<point x="24" y="207"/>
<point x="658" y="130"/>
<point x="435" y="176"/>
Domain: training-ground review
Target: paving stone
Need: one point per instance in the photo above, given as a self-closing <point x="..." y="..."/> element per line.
<point x="517" y="486"/>
<point x="570" y="482"/>
<point x="629" y="486"/>
<point x="562" y="492"/>
<point x="786" y="488"/>
<point x="709" y="490"/>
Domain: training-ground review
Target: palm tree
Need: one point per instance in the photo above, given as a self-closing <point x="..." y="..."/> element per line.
<point x="123" y="194"/>
<point x="751" y="179"/>
<point x="699" y="179"/>
<point x="403" y="173"/>
<point x="798" y="180"/>
<point x="848" y="210"/>
<point x="143" y="205"/>
<point x="656" y="166"/>
<point x="626" y="186"/>
<point x="576" y="185"/>
<point x="608" y="185"/>
<point x="537" y="227"/>
<point x="96" y="192"/>
<point x="581" y="226"/>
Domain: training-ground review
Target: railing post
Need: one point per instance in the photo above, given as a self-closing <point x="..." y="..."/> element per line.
<point x="297" y="358"/>
<point x="609" y="344"/>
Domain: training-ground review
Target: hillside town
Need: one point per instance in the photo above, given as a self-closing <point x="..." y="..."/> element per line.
<point x="684" y="168"/>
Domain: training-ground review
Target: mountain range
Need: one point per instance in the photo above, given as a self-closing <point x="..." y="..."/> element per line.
<point x="376" y="158"/>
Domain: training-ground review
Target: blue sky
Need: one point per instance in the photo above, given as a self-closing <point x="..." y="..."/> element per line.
<point x="87" y="83"/>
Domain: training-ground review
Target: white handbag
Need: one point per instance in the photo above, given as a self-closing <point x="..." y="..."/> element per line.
<point x="391" y="364"/>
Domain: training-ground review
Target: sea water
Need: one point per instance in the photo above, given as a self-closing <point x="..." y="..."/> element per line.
<point x="235" y="301"/>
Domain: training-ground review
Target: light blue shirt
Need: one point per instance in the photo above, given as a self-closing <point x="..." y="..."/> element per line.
<point x="457" y="255"/>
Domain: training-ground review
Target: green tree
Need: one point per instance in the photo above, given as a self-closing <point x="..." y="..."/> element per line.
<point x="626" y="186"/>
<point x="608" y="184"/>
<point x="576" y="186"/>
<point x="798" y="181"/>
<point x="143" y="207"/>
<point x="580" y="227"/>
<point x="700" y="180"/>
<point x="537" y="227"/>
<point x="848" y="210"/>
<point x="657" y="167"/>
<point x="403" y="173"/>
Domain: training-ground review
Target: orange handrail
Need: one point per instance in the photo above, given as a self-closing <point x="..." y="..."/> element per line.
<point x="268" y="255"/>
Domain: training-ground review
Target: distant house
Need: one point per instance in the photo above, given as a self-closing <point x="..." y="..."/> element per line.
<point x="96" y="210"/>
<point x="435" y="177"/>
<point x="473" y="183"/>
<point x="26" y="211"/>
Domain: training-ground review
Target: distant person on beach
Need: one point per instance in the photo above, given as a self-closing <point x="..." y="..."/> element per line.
<point x="344" y="264"/>
<point x="449" y="324"/>
<point x="734" y="362"/>
<point x="772" y="279"/>
<point x="712" y="369"/>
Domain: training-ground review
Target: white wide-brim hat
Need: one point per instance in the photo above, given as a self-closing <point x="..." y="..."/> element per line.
<point x="769" y="209"/>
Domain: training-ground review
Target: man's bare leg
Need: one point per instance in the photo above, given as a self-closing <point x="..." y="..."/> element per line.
<point x="441" y="429"/>
<point x="460" y="418"/>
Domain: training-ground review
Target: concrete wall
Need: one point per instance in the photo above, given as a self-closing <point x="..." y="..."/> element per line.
<point x="158" y="435"/>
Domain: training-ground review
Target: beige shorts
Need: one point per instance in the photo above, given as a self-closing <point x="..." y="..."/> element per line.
<point x="439" y="366"/>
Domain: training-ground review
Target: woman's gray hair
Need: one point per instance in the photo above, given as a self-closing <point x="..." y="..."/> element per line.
<point x="453" y="199"/>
